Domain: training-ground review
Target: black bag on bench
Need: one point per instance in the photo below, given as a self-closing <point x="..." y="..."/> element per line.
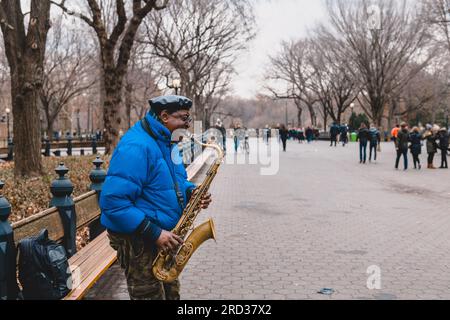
<point x="43" y="268"/>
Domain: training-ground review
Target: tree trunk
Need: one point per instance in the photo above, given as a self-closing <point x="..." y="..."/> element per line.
<point x="111" y="111"/>
<point x="50" y="124"/>
<point x="27" y="129"/>
<point x="199" y="111"/>
<point x="313" y="115"/>
<point x="325" y="119"/>
<point x="299" y="116"/>
<point x="128" y="102"/>
<point x="25" y="51"/>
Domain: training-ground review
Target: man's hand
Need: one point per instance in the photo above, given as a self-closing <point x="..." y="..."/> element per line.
<point x="168" y="242"/>
<point x="206" y="200"/>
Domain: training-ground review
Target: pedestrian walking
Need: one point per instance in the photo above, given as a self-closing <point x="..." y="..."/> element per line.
<point x="334" y="132"/>
<point x="344" y="135"/>
<point x="401" y="144"/>
<point x="363" y="138"/>
<point x="416" y="146"/>
<point x="375" y="140"/>
<point x="284" y="134"/>
<point x="309" y="134"/>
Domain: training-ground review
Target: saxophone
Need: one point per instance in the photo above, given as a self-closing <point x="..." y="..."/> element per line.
<point x="167" y="267"/>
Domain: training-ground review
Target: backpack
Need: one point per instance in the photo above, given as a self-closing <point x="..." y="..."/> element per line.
<point x="373" y="136"/>
<point x="43" y="268"/>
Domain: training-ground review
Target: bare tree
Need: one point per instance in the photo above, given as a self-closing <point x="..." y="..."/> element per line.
<point x="293" y="68"/>
<point x="382" y="39"/>
<point x="141" y="83"/>
<point x="437" y="14"/>
<point x="67" y="71"/>
<point x="332" y="80"/>
<point x="197" y="38"/>
<point x="426" y="94"/>
<point x="116" y="24"/>
<point x="25" y="42"/>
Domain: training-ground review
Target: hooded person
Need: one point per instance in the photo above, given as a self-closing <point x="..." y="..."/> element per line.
<point x="416" y="146"/>
<point x="375" y="140"/>
<point x="344" y="135"/>
<point x="144" y="196"/>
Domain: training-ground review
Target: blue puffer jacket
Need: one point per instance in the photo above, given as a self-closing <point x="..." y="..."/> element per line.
<point x="139" y="183"/>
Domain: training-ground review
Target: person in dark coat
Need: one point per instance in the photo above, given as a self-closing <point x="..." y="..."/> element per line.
<point x="344" y="135"/>
<point x="431" y="136"/>
<point x="363" y="137"/>
<point x="416" y="146"/>
<point x="443" y="145"/>
<point x="401" y="144"/>
<point x="309" y="134"/>
<point x="284" y="135"/>
<point x="334" y="132"/>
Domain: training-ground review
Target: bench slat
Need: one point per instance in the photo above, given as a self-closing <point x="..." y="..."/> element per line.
<point x="82" y="255"/>
<point x="91" y="261"/>
<point x="103" y="263"/>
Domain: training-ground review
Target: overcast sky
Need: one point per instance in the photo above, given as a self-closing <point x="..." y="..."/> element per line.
<point x="277" y="20"/>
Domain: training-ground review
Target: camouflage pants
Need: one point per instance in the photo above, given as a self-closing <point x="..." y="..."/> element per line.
<point x="136" y="259"/>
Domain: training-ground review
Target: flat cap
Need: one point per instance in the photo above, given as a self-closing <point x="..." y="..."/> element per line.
<point x="170" y="103"/>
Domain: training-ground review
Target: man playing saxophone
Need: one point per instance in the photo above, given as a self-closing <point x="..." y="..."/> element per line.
<point x="144" y="196"/>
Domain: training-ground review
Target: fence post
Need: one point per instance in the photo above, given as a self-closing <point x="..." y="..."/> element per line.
<point x="10" y="150"/>
<point x="61" y="190"/>
<point x="47" y="148"/>
<point x="69" y="146"/>
<point x="8" y="284"/>
<point x="94" y="145"/>
<point x="97" y="177"/>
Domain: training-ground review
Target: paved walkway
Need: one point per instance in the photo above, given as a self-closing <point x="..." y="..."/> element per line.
<point x="323" y="221"/>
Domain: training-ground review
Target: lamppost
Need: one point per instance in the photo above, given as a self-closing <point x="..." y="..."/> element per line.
<point x="78" y="124"/>
<point x="8" y="111"/>
<point x="286" y="111"/>
<point x="206" y="122"/>
<point x="446" y="118"/>
<point x="352" y="108"/>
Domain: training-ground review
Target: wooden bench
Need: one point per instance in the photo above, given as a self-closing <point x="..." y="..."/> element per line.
<point x="89" y="264"/>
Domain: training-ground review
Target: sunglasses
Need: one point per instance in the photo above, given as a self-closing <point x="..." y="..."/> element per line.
<point x="187" y="118"/>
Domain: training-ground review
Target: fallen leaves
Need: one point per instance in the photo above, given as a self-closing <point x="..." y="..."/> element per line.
<point x="31" y="196"/>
